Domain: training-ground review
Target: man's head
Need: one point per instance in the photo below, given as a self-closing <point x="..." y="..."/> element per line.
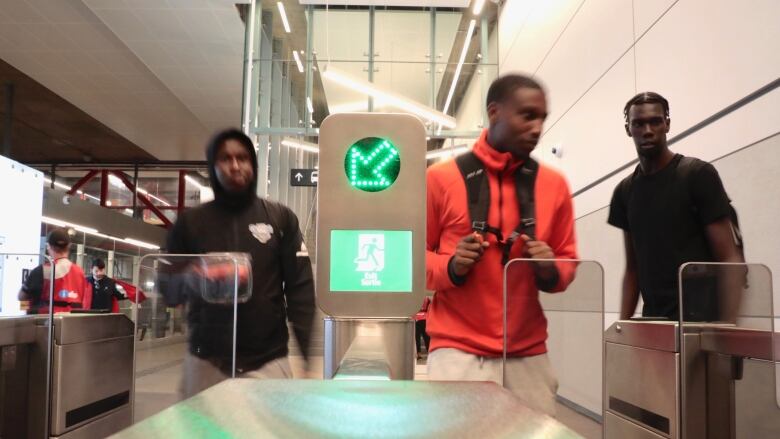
<point x="232" y="163"/>
<point x="516" y="108"/>
<point x="647" y="122"/>
<point x="58" y="243"/>
<point x="98" y="268"/>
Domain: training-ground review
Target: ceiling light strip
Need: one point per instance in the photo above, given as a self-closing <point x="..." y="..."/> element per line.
<point x="285" y="23"/>
<point x="193" y="182"/>
<point x="388" y="98"/>
<point x="466" y="44"/>
<point x="478" y="5"/>
<point x="92" y="231"/>
<point x="304" y="146"/>
<point x="298" y="61"/>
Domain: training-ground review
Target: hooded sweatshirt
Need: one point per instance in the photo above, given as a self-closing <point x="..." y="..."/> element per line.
<point x="282" y="284"/>
<point x="469" y="316"/>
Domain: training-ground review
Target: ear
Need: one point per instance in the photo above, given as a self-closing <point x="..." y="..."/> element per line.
<point x="628" y="131"/>
<point x="668" y="125"/>
<point x="493" y="111"/>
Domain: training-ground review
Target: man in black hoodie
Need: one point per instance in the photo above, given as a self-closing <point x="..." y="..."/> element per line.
<point x="282" y="285"/>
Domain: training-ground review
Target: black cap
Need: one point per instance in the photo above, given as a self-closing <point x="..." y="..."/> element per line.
<point x="58" y="238"/>
<point x="99" y="263"/>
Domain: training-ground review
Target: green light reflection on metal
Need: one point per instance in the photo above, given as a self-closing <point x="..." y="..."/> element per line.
<point x="372" y="164"/>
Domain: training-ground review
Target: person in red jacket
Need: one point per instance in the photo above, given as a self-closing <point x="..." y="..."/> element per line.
<point x="465" y="269"/>
<point x="71" y="289"/>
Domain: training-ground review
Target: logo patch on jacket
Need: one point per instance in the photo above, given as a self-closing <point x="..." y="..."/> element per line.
<point x="261" y="231"/>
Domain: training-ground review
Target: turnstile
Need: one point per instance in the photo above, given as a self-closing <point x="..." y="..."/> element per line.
<point x="369" y="348"/>
<point x="698" y="382"/>
<point x="91" y="375"/>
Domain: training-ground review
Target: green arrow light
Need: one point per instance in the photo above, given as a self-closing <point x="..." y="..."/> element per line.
<point x="372" y="164"/>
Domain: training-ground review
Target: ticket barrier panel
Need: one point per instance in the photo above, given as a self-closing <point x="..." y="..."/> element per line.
<point x="91" y="375"/>
<point x="172" y="365"/>
<point x="709" y="375"/>
<point x="571" y="298"/>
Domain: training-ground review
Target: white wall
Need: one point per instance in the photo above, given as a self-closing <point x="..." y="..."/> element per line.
<point x="593" y="55"/>
<point x="20" y="228"/>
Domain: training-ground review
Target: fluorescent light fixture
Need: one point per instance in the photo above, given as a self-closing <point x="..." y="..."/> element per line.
<point x="61" y="223"/>
<point x="193" y="182"/>
<point x="116" y="181"/>
<point x="459" y="67"/>
<point x="298" y="61"/>
<point x="147" y="194"/>
<point x="446" y="152"/>
<point x="349" y="107"/>
<point x="305" y="146"/>
<point x="360" y="106"/>
<point x="388" y="97"/>
<point x="478" y="5"/>
<point x="309" y="105"/>
<point x="141" y="243"/>
<point x="284" y="17"/>
<point x="91" y="231"/>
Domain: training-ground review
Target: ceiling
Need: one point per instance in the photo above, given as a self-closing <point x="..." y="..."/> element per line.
<point x="163" y="74"/>
<point x="48" y="128"/>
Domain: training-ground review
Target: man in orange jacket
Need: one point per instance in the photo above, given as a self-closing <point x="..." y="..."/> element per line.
<point x="465" y="268"/>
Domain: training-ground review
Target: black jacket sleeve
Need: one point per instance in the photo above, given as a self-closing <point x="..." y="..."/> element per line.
<point x="298" y="281"/>
<point x="172" y="278"/>
<point x="115" y="291"/>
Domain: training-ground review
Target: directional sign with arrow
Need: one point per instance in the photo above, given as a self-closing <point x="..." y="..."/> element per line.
<point x="304" y="177"/>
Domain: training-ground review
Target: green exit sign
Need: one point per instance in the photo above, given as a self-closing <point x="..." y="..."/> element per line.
<point x="371" y="260"/>
<point x="372" y="164"/>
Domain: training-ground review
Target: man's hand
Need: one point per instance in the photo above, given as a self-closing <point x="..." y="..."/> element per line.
<point x="468" y="252"/>
<point x="540" y="250"/>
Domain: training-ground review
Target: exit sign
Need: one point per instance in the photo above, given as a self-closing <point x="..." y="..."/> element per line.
<point x="371" y="260"/>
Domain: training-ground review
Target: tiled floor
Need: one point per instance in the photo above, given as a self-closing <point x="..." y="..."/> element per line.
<point x="158" y="376"/>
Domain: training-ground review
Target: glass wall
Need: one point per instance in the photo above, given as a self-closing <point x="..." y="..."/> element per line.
<point x="299" y="71"/>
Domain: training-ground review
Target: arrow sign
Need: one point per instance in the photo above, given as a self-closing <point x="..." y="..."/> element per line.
<point x="304" y="177"/>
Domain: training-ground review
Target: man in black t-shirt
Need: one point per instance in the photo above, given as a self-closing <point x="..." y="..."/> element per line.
<point x="670" y="215"/>
<point x="103" y="287"/>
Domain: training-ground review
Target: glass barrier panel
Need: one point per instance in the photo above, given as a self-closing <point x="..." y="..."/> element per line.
<point x="26" y="283"/>
<point x="728" y="367"/>
<point x="556" y="307"/>
<point x="186" y="315"/>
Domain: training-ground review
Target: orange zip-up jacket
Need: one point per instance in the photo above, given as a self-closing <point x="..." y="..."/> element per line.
<point x="470" y="317"/>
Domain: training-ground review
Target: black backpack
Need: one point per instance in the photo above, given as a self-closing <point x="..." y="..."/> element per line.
<point x="685" y="167"/>
<point x="478" y="191"/>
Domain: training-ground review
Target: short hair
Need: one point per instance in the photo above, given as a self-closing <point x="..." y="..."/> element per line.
<point x="99" y="263"/>
<point x="58" y="239"/>
<point x="647" y="97"/>
<point x="503" y="86"/>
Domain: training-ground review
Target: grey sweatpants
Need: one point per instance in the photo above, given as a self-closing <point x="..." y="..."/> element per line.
<point x="199" y="374"/>
<point x="531" y="379"/>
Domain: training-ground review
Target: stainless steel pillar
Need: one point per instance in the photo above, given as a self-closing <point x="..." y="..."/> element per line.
<point x="394" y="335"/>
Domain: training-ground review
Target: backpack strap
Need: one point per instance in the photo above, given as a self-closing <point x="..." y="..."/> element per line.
<point x="525" y="184"/>
<point x="685" y="168"/>
<point x="478" y="192"/>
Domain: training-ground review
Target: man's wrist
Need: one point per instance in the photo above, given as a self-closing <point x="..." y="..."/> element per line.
<point x="547" y="277"/>
<point x="455" y="278"/>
